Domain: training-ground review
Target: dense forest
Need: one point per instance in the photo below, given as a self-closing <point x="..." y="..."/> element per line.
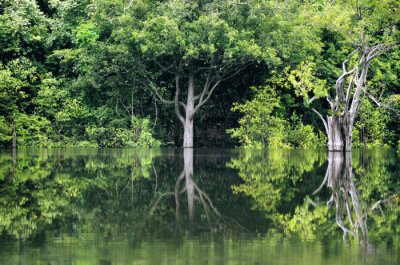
<point x="149" y="73"/>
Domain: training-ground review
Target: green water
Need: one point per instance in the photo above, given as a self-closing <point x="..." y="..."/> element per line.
<point x="201" y="206"/>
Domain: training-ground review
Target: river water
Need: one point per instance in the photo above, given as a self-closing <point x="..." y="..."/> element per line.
<point x="199" y="206"/>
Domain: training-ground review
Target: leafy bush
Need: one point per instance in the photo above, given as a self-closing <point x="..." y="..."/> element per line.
<point x="371" y="128"/>
<point x="139" y="135"/>
<point x="32" y="130"/>
<point x="262" y="126"/>
<point x="5" y="130"/>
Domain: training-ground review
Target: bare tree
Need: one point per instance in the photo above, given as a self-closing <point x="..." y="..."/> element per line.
<point x="349" y="89"/>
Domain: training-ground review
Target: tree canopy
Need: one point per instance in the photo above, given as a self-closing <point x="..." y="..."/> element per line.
<point x="205" y="73"/>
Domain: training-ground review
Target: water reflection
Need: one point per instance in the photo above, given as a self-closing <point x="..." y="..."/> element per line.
<point x="339" y="178"/>
<point x="185" y="185"/>
<point x="117" y="192"/>
<point x="285" y="186"/>
<point x="220" y="202"/>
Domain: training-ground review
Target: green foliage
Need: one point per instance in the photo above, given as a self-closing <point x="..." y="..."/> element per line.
<point x="139" y="135"/>
<point x="207" y="36"/>
<point x="263" y="125"/>
<point x="32" y="130"/>
<point x="5" y="130"/>
<point x="17" y="80"/>
<point x="309" y="220"/>
<point x="372" y="127"/>
<point x="303" y="136"/>
<point x="305" y="83"/>
<point x="85" y="34"/>
<point x="80" y="70"/>
<point x="260" y="127"/>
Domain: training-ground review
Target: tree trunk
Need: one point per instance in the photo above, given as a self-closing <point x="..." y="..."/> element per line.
<point x="188" y="133"/>
<point x="188" y="125"/>
<point x="339" y="134"/>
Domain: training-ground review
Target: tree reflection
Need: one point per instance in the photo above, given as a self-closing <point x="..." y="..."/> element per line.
<point x="113" y="192"/>
<point x="139" y="192"/>
<point x="53" y="188"/>
<point x="275" y="179"/>
<point x="339" y="178"/>
<point x="359" y="193"/>
<point x="185" y="185"/>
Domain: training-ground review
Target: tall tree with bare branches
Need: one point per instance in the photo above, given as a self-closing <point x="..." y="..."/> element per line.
<point x="371" y="29"/>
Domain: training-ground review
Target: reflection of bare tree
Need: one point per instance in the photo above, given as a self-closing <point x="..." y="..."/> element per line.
<point x="339" y="178"/>
<point x="186" y="185"/>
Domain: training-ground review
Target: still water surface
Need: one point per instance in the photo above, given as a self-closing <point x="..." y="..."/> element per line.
<point x="201" y="206"/>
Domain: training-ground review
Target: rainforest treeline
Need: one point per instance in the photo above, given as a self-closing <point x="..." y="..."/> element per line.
<point x="147" y="73"/>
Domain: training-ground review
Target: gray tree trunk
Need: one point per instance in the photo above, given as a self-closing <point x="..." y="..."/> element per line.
<point x="339" y="134"/>
<point x="188" y="125"/>
<point x="335" y="134"/>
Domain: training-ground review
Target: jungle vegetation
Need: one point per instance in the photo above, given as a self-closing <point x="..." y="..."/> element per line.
<point x="146" y="73"/>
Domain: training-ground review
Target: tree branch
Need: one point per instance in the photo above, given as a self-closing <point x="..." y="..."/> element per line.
<point x="348" y="58"/>
<point x="153" y="90"/>
<point x="228" y="75"/>
<point x="203" y="101"/>
<point x="339" y="84"/>
<point x="205" y="88"/>
<point x="323" y="182"/>
<point x="323" y="120"/>
<point x="312" y="100"/>
<point x="383" y="201"/>
<point x="207" y="92"/>
<point x="348" y="92"/>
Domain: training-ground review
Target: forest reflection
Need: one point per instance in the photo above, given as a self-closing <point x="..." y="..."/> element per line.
<point x="115" y="191"/>
<point x="359" y="198"/>
<point x="169" y="193"/>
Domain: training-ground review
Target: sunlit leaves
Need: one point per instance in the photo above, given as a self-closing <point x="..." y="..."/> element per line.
<point x="305" y="83"/>
<point x="263" y="124"/>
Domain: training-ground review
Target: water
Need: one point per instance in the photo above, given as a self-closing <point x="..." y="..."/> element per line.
<point x="202" y="206"/>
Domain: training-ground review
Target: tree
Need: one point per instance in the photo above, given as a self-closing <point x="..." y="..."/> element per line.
<point x="23" y="30"/>
<point x="198" y="46"/>
<point x="370" y="27"/>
